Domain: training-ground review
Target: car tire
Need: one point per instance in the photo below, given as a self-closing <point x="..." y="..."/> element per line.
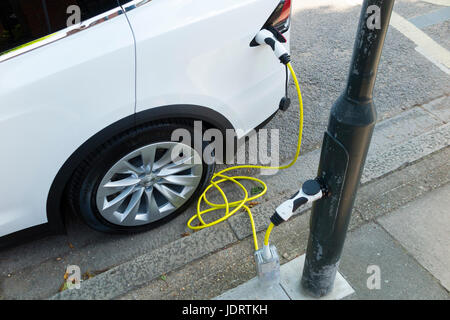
<point x="116" y="172"/>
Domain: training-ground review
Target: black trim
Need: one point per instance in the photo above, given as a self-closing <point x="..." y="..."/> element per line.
<point x="285" y="59"/>
<point x="184" y="111"/>
<point x="263" y="124"/>
<point x="276" y="219"/>
<point x="277" y="34"/>
<point x="285" y="103"/>
<point x="270" y="42"/>
<point x="32" y="233"/>
<point x="311" y="187"/>
<point x="298" y="202"/>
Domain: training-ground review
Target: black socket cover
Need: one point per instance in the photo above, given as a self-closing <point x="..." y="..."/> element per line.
<point x="311" y="187"/>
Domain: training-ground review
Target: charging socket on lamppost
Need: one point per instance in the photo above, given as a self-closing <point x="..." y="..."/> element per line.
<point x="268" y="266"/>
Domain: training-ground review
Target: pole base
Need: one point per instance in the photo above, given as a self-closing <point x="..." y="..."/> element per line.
<point x="289" y="288"/>
<point x="318" y="282"/>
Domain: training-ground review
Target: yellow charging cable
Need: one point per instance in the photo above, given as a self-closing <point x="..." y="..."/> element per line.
<point x="237" y="205"/>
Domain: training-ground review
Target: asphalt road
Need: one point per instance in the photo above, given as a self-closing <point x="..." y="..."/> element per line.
<point x="322" y="39"/>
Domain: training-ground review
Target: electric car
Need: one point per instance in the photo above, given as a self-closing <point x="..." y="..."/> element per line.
<point x="91" y="90"/>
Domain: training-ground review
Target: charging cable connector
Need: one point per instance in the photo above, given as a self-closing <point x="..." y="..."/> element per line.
<point x="265" y="36"/>
<point x="311" y="191"/>
<point x="267" y="260"/>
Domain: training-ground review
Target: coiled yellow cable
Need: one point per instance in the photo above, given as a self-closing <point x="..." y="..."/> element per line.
<point x="237" y="205"/>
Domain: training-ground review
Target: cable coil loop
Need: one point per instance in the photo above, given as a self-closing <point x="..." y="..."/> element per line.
<point x="242" y="204"/>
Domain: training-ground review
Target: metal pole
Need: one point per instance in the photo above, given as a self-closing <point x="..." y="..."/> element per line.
<point x="344" y="151"/>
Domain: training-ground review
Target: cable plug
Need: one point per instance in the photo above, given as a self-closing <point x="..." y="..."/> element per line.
<point x="268" y="266"/>
<point x="264" y="36"/>
<point x="311" y="191"/>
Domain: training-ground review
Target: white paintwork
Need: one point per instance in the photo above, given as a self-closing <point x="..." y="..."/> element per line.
<point x="54" y="98"/>
<point x="199" y="54"/>
<point x="288" y="289"/>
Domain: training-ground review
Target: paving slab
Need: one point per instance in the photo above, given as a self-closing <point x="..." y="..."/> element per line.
<point x="439" y="33"/>
<point x="423" y="228"/>
<point x="391" y="192"/>
<point x="401" y="276"/>
<point x="289" y="287"/>
<point x="404" y="153"/>
<point x="440" y="107"/>
<point x="132" y="274"/>
<point x="290" y="281"/>
<point x="413" y="8"/>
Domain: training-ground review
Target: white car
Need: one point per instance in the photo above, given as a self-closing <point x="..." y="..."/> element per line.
<point x="87" y="107"/>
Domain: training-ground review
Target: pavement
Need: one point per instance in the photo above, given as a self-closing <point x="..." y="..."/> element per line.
<point x="404" y="273"/>
<point x="407" y="169"/>
<point x="407" y="250"/>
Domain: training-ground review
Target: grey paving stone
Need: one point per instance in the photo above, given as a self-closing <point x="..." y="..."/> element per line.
<point x="423" y="228"/>
<point x="440" y="107"/>
<point x="413" y="8"/>
<point x="401" y="276"/>
<point x="401" y="128"/>
<point x="439" y="33"/>
<point x="101" y="252"/>
<point x="402" y="154"/>
<point x="400" y="187"/>
<point x="137" y="272"/>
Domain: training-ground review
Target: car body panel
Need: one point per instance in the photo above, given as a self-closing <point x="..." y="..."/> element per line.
<point x="48" y="108"/>
<point x="199" y="54"/>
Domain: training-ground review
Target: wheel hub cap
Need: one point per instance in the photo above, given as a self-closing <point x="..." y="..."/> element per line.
<point x="149" y="183"/>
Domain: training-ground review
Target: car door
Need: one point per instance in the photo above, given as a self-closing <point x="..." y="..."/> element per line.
<point x="67" y="70"/>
